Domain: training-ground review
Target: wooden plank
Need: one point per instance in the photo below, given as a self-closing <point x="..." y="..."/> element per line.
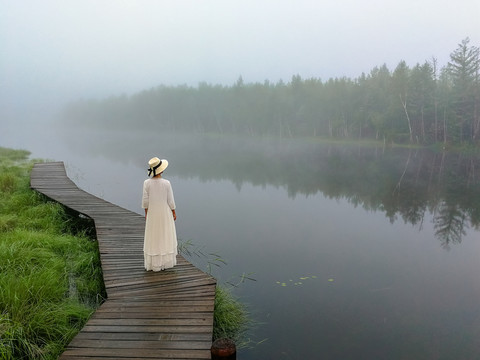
<point x="140" y="353"/>
<point x="141" y="344"/>
<point x="165" y="315"/>
<point x="132" y="336"/>
<point x="156" y="329"/>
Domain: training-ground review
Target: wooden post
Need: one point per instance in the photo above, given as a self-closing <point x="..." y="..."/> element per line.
<point x="223" y="349"/>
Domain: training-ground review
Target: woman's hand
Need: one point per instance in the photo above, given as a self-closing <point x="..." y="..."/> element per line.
<point x="174" y="215"/>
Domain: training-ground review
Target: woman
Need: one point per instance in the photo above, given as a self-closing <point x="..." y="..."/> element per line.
<point x="160" y="243"/>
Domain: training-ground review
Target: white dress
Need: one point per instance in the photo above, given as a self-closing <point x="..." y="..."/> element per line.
<point x="160" y="243"/>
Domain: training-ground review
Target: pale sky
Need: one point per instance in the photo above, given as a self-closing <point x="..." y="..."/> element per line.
<point x="52" y="51"/>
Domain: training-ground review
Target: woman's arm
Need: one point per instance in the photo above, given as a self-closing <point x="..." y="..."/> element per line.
<point x="146" y="210"/>
<point x="174" y="215"/>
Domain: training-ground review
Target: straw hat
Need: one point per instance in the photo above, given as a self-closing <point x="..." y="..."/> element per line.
<point x="156" y="166"/>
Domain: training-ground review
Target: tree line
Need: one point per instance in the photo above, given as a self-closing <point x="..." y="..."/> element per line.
<point x="423" y="104"/>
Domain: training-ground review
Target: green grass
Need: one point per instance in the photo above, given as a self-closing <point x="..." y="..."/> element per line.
<point x="50" y="278"/>
<point x="231" y="318"/>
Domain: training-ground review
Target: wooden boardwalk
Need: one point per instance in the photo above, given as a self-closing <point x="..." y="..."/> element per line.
<point x="164" y="315"/>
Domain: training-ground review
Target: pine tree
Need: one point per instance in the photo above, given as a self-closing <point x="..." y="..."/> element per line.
<point x="464" y="70"/>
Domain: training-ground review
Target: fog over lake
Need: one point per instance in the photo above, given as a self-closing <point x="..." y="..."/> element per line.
<point x="358" y="252"/>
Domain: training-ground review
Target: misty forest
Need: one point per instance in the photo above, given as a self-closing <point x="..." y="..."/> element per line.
<point x="423" y="104"/>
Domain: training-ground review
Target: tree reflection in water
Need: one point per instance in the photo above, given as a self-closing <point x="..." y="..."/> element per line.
<point x="400" y="182"/>
<point x="449" y="224"/>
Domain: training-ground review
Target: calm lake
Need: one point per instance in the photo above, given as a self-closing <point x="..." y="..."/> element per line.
<point x="357" y="252"/>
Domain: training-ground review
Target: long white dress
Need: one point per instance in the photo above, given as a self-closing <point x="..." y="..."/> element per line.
<point x="160" y="243"/>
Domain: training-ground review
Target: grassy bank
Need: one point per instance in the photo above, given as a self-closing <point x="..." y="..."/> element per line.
<point x="50" y="278"/>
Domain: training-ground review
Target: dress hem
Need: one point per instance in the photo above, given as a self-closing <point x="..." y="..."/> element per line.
<point x="159" y="262"/>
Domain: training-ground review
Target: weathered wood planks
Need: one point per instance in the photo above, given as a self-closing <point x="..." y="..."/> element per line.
<point x="165" y="315"/>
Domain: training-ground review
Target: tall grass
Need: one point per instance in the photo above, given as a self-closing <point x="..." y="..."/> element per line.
<point x="231" y="317"/>
<point x="50" y="278"/>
